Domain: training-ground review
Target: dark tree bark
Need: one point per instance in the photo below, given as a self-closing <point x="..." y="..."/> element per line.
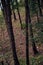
<point x="14" y="15"/>
<point x="7" y="11"/>
<point x="42" y="4"/>
<point x="13" y="10"/>
<point x="7" y="62"/>
<point x="31" y="34"/>
<point x="37" y="17"/>
<point x="2" y="10"/>
<point x="27" y="40"/>
<point x="2" y="62"/>
<point x="19" y="14"/>
<point x="28" y="20"/>
<point x="39" y="5"/>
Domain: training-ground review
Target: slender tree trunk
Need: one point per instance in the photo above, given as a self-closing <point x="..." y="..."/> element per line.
<point x="2" y="11"/>
<point x="12" y="4"/>
<point x="27" y="40"/>
<point x="7" y="12"/>
<point x="37" y="16"/>
<point x="31" y="32"/>
<point x="2" y="63"/>
<point x="7" y="62"/>
<point x="14" y="15"/>
<point x="42" y="4"/>
<point x="40" y="10"/>
<point x="19" y="14"/>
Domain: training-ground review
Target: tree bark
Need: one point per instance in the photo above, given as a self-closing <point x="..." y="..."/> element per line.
<point x="2" y="63"/>
<point x="31" y="34"/>
<point x="14" y="15"/>
<point x="7" y="11"/>
<point x="42" y="4"/>
<point x="27" y="39"/>
<point x="28" y="20"/>
<point x="39" y="5"/>
<point x="13" y="10"/>
<point x="19" y="14"/>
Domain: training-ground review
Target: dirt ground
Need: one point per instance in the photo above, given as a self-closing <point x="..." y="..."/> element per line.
<point x="20" y="41"/>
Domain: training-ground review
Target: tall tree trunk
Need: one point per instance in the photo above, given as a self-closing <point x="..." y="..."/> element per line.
<point x="37" y="17"/>
<point x="42" y="4"/>
<point x="2" y="63"/>
<point x="7" y="62"/>
<point x="19" y="14"/>
<point x="13" y="10"/>
<point x="39" y="5"/>
<point x="2" y="10"/>
<point x="14" y="15"/>
<point x="27" y="40"/>
<point x="31" y="32"/>
<point x="7" y="11"/>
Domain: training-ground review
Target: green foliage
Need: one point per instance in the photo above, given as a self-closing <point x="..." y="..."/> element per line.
<point x="39" y="25"/>
<point x="39" y="32"/>
<point x="21" y="3"/>
<point x="24" y="25"/>
<point x="36" y="60"/>
<point x="33" y="6"/>
<point x="22" y="61"/>
<point x="14" y="4"/>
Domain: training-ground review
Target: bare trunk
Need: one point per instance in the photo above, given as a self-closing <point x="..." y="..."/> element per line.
<point x="19" y="14"/>
<point x="2" y="63"/>
<point x="42" y="4"/>
<point x="31" y="34"/>
<point x="13" y="11"/>
<point x="14" y="15"/>
<point x="40" y="10"/>
<point x="7" y="12"/>
<point x="27" y="39"/>
<point x="37" y="17"/>
<point x="31" y="31"/>
<point x="7" y="62"/>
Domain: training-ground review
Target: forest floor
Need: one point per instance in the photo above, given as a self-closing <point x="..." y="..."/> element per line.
<point x="19" y="39"/>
